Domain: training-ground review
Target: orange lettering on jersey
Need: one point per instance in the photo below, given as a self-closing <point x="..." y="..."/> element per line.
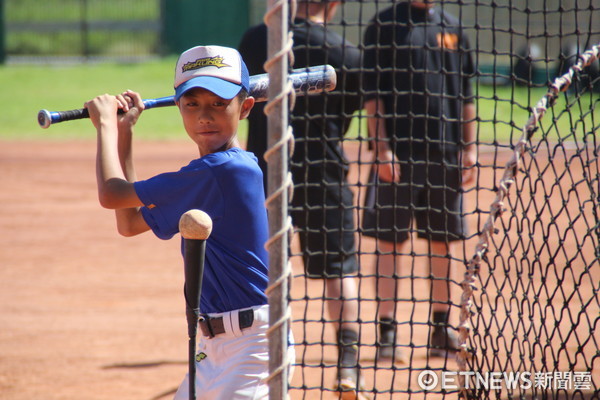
<point x="448" y="41"/>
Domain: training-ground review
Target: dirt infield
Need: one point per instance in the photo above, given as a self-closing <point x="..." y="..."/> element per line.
<point x="87" y="314"/>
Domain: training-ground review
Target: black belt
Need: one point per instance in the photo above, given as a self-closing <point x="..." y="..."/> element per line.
<point x="213" y="326"/>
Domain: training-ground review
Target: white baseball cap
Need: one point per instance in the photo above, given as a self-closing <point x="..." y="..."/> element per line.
<point x="218" y="69"/>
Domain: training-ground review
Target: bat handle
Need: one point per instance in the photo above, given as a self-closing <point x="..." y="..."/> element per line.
<point x="47" y="118"/>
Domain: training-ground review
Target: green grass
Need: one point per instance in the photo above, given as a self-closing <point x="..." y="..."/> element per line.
<point x="503" y="111"/>
<point x="26" y="89"/>
<point x="29" y="88"/>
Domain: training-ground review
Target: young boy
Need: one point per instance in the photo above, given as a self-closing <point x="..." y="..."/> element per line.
<point x="211" y="92"/>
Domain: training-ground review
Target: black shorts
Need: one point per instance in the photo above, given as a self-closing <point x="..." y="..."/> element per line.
<point x="428" y="194"/>
<point x="324" y="217"/>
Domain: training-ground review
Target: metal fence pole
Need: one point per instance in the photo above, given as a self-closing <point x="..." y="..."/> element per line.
<point x="277" y="108"/>
<point x="85" y="36"/>
<point x="2" y="34"/>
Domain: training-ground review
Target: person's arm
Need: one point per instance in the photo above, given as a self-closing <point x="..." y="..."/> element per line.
<point x="387" y="166"/>
<point x="114" y="167"/>
<point x="469" y="124"/>
<point x="469" y="149"/>
<point x="375" y="61"/>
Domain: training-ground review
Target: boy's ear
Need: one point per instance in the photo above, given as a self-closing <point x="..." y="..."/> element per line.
<point x="247" y="107"/>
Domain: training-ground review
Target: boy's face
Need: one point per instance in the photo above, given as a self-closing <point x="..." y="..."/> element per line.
<point x="212" y="121"/>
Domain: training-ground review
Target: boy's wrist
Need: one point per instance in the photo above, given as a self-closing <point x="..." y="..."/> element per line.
<point x="107" y="126"/>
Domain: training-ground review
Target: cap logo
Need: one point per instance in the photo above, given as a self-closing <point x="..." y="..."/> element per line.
<point x="216" y="61"/>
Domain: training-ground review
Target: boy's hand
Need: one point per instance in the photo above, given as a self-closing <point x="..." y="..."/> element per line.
<point x="469" y="160"/>
<point x="132" y="105"/>
<point x="102" y="108"/>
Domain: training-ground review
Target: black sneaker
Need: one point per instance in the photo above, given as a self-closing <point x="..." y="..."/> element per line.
<point x="443" y="343"/>
<point x="388" y="351"/>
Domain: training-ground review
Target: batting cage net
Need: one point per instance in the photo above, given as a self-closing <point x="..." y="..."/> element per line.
<point x="446" y="200"/>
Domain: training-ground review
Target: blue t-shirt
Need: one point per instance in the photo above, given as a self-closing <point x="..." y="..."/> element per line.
<point x="228" y="186"/>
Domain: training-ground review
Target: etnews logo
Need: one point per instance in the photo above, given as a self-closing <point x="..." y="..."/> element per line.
<point x="450" y="380"/>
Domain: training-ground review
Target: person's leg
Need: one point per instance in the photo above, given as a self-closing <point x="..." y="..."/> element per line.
<point x="387" y="218"/>
<point x="388" y="266"/>
<point x="443" y="340"/>
<point x="342" y="305"/>
<point x="387" y="285"/>
<point x="330" y="254"/>
<point x="440" y="264"/>
<point x="444" y="225"/>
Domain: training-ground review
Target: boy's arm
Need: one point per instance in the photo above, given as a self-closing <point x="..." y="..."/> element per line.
<point x="388" y="168"/>
<point x="114" y="167"/>
<point x="129" y="220"/>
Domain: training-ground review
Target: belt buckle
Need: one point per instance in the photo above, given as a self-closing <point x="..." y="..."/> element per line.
<point x="246" y="318"/>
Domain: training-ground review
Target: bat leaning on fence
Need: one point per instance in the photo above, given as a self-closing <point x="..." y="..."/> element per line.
<point x="195" y="227"/>
<point x="311" y="80"/>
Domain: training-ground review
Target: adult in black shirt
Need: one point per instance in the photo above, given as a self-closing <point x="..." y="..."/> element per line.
<point x="418" y="64"/>
<point x="322" y="204"/>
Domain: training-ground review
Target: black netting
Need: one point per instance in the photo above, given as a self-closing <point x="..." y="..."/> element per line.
<point x="416" y="73"/>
